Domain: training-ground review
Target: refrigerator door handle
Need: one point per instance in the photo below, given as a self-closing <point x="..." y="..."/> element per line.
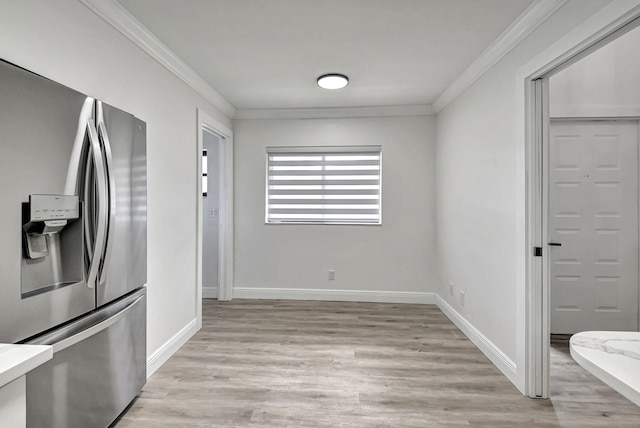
<point x="111" y="196"/>
<point x="80" y="330"/>
<point x="94" y="329"/>
<point x="98" y="213"/>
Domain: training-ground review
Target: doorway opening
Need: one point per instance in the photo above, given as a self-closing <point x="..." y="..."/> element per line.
<point x="214" y="212"/>
<point x="583" y="206"/>
<point x="211" y="212"/>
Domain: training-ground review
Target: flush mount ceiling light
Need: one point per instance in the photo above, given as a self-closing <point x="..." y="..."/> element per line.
<point x="333" y="81"/>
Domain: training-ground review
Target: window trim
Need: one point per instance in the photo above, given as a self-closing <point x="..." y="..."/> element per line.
<point x="325" y="150"/>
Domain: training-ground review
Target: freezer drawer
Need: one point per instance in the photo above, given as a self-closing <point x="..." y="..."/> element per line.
<point x="98" y="367"/>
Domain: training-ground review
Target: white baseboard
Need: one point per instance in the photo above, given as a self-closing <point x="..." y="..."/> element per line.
<point x="335" y="295"/>
<point x="209" y="292"/>
<point x="162" y="354"/>
<point x="497" y="357"/>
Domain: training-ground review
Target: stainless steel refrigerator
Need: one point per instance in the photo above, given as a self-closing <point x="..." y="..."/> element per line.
<point x="73" y="255"/>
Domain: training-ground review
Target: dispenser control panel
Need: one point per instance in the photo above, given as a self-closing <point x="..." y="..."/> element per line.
<point x="53" y="207"/>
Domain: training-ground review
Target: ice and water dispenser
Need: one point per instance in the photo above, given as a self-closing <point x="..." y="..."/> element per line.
<point x="52" y="243"/>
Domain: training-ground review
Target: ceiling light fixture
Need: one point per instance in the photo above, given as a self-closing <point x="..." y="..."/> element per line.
<point x="333" y="81"/>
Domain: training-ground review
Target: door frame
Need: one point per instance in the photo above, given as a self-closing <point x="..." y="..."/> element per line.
<point x="611" y="22"/>
<point x="206" y="123"/>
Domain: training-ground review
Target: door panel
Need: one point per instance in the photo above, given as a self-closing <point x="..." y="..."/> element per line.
<point x="39" y="122"/>
<point x="88" y="383"/>
<point x="593" y="200"/>
<point x="126" y="269"/>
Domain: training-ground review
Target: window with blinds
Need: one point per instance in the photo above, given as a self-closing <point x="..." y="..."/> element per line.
<point x="327" y="185"/>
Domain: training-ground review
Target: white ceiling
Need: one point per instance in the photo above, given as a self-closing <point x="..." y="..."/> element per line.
<point x="266" y="54"/>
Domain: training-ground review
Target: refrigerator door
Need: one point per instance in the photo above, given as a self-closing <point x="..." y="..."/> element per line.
<point x="98" y="367"/>
<point x="43" y="136"/>
<point x="125" y="255"/>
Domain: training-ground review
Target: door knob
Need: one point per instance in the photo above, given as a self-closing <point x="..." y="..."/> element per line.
<point x="555" y="244"/>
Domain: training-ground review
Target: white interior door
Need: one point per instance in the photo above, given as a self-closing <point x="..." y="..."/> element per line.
<point x="593" y="214"/>
<point x="211" y="218"/>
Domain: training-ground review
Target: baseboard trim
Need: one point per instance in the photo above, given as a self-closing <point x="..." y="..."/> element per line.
<point x="209" y="292"/>
<point x="488" y="348"/>
<point x="335" y="295"/>
<point x="162" y="354"/>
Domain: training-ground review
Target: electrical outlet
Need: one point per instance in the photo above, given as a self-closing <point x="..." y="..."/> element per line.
<point x="461" y="298"/>
<point x="213" y="213"/>
<point x="332" y="274"/>
<point x="451" y="288"/>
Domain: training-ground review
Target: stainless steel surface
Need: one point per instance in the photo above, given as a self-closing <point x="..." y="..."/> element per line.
<point x="38" y="127"/>
<point x="80" y="329"/>
<point x="127" y="267"/>
<point x="89" y="383"/>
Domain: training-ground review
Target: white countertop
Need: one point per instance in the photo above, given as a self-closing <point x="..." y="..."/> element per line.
<point x="611" y="356"/>
<point x="17" y="360"/>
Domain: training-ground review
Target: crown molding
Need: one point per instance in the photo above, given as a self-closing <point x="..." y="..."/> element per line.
<point x="119" y="18"/>
<point x="336" y="112"/>
<point x="520" y="28"/>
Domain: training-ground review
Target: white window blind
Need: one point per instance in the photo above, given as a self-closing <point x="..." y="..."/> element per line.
<point x="324" y="185"/>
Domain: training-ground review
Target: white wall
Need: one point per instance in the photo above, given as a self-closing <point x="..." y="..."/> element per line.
<point x="605" y="83"/>
<point x="480" y="188"/>
<point x="66" y="42"/>
<point x="371" y="262"/>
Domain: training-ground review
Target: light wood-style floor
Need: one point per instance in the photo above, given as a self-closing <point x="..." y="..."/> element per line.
<point x="335" y="364"/>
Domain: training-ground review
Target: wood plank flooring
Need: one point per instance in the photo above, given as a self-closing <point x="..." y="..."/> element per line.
<point x="336" y="364"/>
